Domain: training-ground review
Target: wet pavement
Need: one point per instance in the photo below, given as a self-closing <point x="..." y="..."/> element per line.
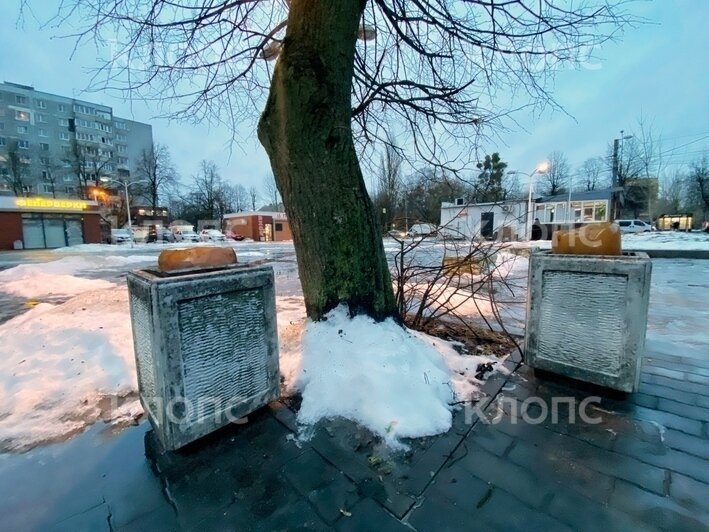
<point x="636" y="462"/>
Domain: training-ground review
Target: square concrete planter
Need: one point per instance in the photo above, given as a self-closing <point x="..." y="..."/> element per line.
<point x="587" y="316"/>
<point x="206" y="347"/>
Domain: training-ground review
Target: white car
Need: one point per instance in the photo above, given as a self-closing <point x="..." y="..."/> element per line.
<point x="211" y="235"/>
<point x="120" y="236"/>
<point x="186" y="236"/>
<point x="633" y="226"/>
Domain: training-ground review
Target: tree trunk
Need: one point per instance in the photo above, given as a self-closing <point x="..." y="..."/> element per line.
<point x="306" y="131"/>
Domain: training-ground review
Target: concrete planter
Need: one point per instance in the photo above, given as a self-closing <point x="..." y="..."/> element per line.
<point x="206" y="347"/>
<point x="587" y="316"/>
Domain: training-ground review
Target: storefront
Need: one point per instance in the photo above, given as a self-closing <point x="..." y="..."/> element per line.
<point x="42" y="223"/>
<point x="261" y="226"/>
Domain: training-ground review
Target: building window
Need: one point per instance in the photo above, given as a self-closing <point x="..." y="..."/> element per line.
<point x="3" y="141"/>
<point x="21" y="100"/>
<point x="64" y="135"/>
<point x="41" y="104"/>
<point x="44" y="161"/>
<point x="279" y="226"/>
<point x="22" y="130"/>
<point x="63" y="122"/>
<point x="24" y="116"/>
<point x="23" y="144"/>
<point x="45" y="174"/>
<point x="121" y="125"/>
<point x="70" y="190"/>
<point x="600" y="211"/>
<point x="68" y="178"/>
<point x="2" y="126"/>
<point x="42" y="118"/>
<point x="44" y="146"/>
<point x="45" y="188"/>
<point x="27" y="188"/>
<point x="61" y="107"/>
<point x="43" y="133"/>
<point x="121" y="138"/>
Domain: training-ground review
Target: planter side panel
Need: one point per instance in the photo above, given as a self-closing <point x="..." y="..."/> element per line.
<point x="586" y="317"/>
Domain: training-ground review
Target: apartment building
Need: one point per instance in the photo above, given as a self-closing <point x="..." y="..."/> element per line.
<point x="58" y="147"/>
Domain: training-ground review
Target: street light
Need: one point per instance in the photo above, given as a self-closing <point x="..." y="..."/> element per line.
<point x="541" y="168"/>
<point x="126" y="184"/>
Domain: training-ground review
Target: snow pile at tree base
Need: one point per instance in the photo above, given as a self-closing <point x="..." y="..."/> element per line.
<point x="393" y="381"/>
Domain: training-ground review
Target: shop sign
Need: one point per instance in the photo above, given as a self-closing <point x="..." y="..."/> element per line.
<point x="52" y="204"/>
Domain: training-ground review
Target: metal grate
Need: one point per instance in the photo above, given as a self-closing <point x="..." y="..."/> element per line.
<point x="143" y="334"/>
<point x="593" y="337"/>
<point x="224" y="351"/>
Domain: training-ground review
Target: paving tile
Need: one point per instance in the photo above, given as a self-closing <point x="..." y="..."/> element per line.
<point x="438" y="513"/>
<point x="461" y="488"/>
<point x="656" y="510"/>
<point x="658" y="454"/>
<point x="685" y="442"/>
<point x="93" y="520"/>
<point x="568" y="474"/>
<point x="309" y="472"/>
<point x="669" y="420"/>
<point x="684" y="410"/>
<point x="366" y="516"/>
<point x="683" y="386"/>
<point x="667" y="393"/>
<point x="329" y="501"/>
<point x="491" y="439"/>
<point x="690" y="493"/>
<point x="584" y="514"/>
<point x="502" y="473"/>
<point x="505" y="512"/>
<point x="573" y="450"/>
<point x="159" y="519"/>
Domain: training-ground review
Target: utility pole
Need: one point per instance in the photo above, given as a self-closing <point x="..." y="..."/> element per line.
<point x="615" y="180"/>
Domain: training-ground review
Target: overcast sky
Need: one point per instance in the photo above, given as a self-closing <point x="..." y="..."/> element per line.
<point x="659" y="70"/>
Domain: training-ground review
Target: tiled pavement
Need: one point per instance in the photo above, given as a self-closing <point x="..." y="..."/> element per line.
<point x="644" y="466"/>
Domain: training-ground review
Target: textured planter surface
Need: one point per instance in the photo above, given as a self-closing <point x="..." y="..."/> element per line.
<point x="587" y="316"/>
<point x="206" y="347"/>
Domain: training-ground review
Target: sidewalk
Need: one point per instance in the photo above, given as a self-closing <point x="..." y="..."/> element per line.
<point x="645" y="466"/>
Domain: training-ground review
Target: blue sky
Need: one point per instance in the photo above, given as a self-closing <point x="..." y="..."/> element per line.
<point x="659" y="70"/>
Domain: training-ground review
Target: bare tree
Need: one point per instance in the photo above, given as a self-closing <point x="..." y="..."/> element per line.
<point x="88" y="163"/>
<point x="241" y="198"/>
<point x="17" y="169"/>
<point x="591" y="172"/>
<point x="556" y="178"/>
<point x="430" y="66"/>
<point x="270" y="190"/>
<point x="699" y="178"/>
<point x="155" y="166"/>
<point x="389" y="185"/>
<point x="207" y="189"/>
<point x="253" y="196"/>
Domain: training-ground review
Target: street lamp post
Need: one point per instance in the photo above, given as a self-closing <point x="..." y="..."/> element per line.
<point x="125" y="184"/>
<point x="540" y="169"/>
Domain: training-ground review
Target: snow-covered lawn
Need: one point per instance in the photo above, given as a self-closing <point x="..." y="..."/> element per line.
<point x="67" y="363"/>
<point x="655" y="240"/>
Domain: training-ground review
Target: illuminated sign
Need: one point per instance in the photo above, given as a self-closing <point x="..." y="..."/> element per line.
<point x="54" y="204"/>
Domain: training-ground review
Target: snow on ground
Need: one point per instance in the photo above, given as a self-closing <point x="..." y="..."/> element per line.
<point x="395" y="382"/>
<point x="655" y="240"/>
<point x="58" y="278"/>
<point x="57" y="362"/>
<point x="666" y="240"/>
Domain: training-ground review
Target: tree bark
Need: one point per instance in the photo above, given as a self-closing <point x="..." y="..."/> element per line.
<point x="306" y="131"/>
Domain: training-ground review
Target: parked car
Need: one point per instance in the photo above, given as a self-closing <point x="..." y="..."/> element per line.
<point x="165" y="235"/>
<point x="120" y="236"/>
<point x="422" y="229"/>
<point x="140" y="233"/>
<point x="234" y="236"/>
<point x="633" y="226"/>
<point x="186" y="236"/>
<point x="211" y="235"/>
